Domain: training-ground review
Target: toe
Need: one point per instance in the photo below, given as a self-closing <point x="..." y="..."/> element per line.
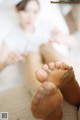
<point x="51" y="66"/>
<point x="58" y="65"/>
<point x="61" y="65"/>
<point x="46" y="68"/>
<point x="65" y="66"/>
<point x="49" y="88"/>
<point x="41" y="75"/>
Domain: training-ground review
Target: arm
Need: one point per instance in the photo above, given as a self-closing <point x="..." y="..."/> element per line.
<point x="7" y="57"/>
<point x="61" y="38"/>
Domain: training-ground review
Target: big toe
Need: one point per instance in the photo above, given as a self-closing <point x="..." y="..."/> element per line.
<point x="41" y="75"/>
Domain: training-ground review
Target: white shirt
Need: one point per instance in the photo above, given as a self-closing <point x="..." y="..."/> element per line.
<point x="20" y="42"/>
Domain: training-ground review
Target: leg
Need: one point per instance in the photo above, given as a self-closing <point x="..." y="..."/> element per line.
<point x="49" y="54"/>
<point x="32" y="63"/>
<point x="63" y="77"/>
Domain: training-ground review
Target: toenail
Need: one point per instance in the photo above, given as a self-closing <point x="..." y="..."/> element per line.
<point x="65" y="66"/>
<point x="45" y="67"/>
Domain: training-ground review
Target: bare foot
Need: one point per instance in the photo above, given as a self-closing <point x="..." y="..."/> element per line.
<point x="63" y="77"/>
<point x="47" y="100"/>
<point x="58" y="73"/>
<point x="55" y="115"/>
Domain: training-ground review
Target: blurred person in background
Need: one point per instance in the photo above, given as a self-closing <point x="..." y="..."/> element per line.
<point x="26" y="37"/>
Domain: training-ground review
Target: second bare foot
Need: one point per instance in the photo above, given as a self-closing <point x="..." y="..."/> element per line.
<point x="58" y="73"/>
<point x="46" y="100"/>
